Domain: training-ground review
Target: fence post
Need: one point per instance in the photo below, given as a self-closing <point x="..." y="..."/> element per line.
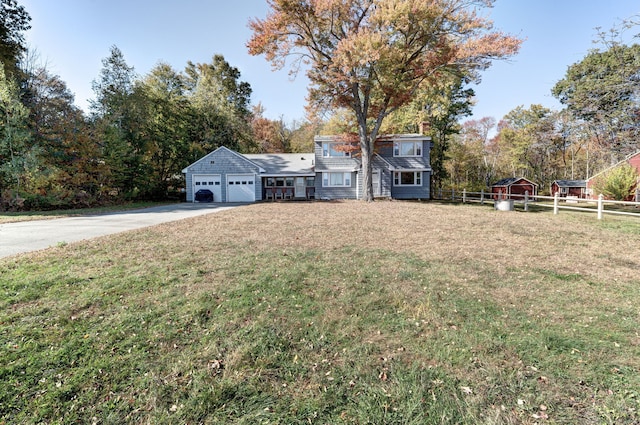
<point x="555" y="203"/>
<point x="440" y="197"/>
<point x="464" y="196"/>
<point x="482" y="197"/>
<point x="453" y="194"/>
<point x="526" y="200"/>
<point x="600" y="206"/>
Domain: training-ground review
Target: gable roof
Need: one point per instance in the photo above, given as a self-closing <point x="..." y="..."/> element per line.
<point x="284" y="163"/>
<point x="570" y="183"/>
<point x="512" y="180"/>
<point x="222" y="150"/>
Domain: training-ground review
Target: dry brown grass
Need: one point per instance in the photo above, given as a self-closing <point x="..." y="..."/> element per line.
<point x="565" y="244"/>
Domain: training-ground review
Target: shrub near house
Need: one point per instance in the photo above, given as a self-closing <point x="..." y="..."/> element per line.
<point x="619" y="182"/>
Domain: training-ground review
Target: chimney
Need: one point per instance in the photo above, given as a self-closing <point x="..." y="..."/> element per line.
<point x="424" y="127"/>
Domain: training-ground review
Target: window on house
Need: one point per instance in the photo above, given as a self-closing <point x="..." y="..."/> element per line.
<point x="407" y="178"/>
<point x="407" y="148"/>
<point x="329" y="150"/>
<point x="311" y="181"/>
<point x="336" y="179"/>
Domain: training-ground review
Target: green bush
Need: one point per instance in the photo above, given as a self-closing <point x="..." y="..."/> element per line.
<point x="618" y="184"/>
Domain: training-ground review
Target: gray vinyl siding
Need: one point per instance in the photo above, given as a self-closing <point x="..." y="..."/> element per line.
<point x="225" y="162"/>
<point x="407" y="164"/>
<point x="336" y="192"/>
<point x="334" y="165"/>
<point x="386" y="181"/>
<point x="386" y="177"/>
<point x="414" y="192"/>
<point x="385" y="150"/>
<point x="330" y="163"/>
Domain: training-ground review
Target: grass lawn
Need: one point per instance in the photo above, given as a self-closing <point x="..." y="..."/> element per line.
<point x="329" y="313"/>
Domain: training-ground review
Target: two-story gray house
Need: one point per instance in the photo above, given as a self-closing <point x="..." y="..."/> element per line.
<point x="401" y="170"/>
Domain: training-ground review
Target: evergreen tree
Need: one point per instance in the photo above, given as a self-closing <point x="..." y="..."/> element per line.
<point x="118" y="118"/>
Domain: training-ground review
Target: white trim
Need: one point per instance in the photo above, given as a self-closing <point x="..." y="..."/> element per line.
<point x="416" y="175"/>
<point x="250" y="180"/>
<point x="417" y="144"/>
<point x="346" y="177"/>
<point x="224" y="148"/>
<point x="376" y="173"/>
<point x="216" y="188"/>
<point x="300" y="190"/>
<point x="340" y="154"/>
<point x="289" y="175"/>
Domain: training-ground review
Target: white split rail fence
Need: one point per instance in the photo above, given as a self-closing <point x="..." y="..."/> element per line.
<point x="556" y="202"/>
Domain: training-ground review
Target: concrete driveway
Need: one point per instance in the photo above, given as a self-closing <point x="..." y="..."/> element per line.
<point x="26" y="236"/>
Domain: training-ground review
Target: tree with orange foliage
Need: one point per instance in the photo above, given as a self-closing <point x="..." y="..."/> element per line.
<point x="371" y="56"/>
<point x="270" y="136"/>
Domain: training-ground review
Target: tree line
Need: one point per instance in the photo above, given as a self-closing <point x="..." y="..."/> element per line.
<point x="598" y="126"/>
<point x="139" y="132"/>
<point x="385" y="72"/>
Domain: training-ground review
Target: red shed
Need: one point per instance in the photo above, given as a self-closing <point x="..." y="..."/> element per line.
<point x="513" y="188"/>
<point x="569" y="188"/>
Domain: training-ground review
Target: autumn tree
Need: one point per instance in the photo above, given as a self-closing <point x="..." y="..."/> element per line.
<point x="302" y="134"/>
<point x="371" y="56"/>
<point x="270" y="136"/>
<point x="472" y="160"/>
<point x="70" y="174"/>
<point x="531" y="144"/>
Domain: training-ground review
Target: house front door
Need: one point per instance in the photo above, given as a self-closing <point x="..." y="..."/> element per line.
<point x="375" y="177"/>
<point x="300" y="188"/>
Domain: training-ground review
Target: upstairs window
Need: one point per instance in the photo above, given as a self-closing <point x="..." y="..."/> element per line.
<point x="407" y="148"/>
<point x="329" y="150"/>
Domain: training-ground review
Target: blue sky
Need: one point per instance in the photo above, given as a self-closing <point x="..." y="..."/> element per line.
<point x="73" y="36"/>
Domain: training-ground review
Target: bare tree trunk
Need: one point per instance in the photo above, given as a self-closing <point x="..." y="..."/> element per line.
<point x="367" y="170"/>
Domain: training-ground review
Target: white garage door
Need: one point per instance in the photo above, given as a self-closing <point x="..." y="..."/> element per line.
<point x="208" y="181"/>
<point x="241" y="188"/>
